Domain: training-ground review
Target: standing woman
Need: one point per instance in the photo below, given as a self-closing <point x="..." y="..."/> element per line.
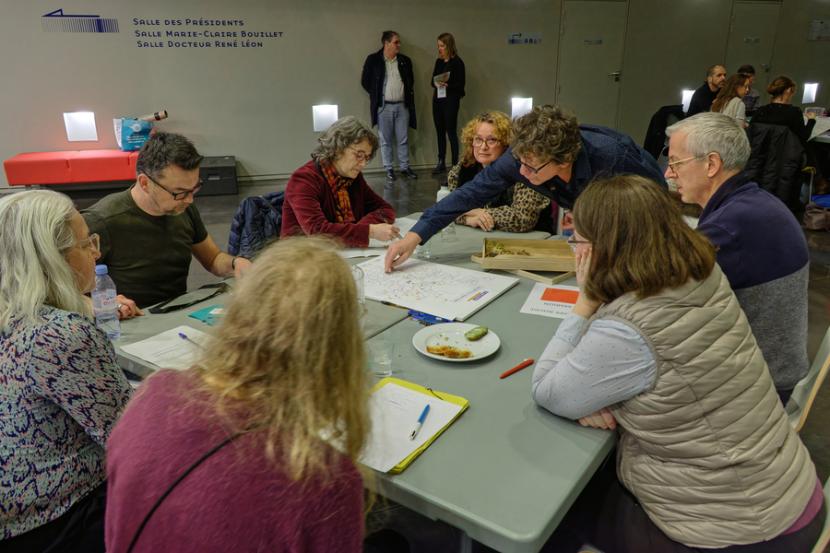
<point x="448" y="81"/>
<point x="730" y="99"/>
<point x="780" y="110"/>
<point x="62" y="389"/>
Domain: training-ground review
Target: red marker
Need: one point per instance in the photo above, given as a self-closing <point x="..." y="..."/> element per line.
<point x="517" y="368"/>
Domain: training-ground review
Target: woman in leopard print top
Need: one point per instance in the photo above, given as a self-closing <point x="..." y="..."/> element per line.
<point x="520" y="208"/>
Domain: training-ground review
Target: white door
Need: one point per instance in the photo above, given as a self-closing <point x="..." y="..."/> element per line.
<point x="592" y="36"/>
<point x="752" y="38"/>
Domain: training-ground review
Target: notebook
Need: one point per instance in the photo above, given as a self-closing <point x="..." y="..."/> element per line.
<point x="394" y="407"/>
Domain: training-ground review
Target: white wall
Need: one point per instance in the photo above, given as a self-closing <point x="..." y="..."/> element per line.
<point x="256" y="103"/>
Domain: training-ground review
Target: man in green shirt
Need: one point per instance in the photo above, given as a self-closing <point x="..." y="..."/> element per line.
<point x="149" y="231"/>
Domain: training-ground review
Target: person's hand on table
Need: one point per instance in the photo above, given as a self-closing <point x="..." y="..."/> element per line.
<point x="127" y="308"/>
<point x="601" y="419"/>
<point x="399" y="251"/>
<point x="568" y="221"/>
<point x="384" y="232"/>
<point x="810" y="115"/>
<point x="240" y="266"/>
<point x="479" y="217"/>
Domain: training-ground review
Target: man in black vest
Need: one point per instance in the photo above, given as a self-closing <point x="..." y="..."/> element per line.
<point x="388" y="78"/>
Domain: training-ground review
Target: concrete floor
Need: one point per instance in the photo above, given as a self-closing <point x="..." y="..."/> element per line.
<point x="409" y="196"/>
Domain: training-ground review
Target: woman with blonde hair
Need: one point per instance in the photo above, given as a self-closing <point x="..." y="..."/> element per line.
<point x="730" y="99"/>
<point x="62" y="388"/>
<point x="253" y="448"/>
<point x="519" y="208"/>
<point x="658" y="345"/>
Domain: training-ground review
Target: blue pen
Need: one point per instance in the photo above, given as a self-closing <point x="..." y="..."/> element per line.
<point x="420" y="422"/>
<point x="187" y="338"/>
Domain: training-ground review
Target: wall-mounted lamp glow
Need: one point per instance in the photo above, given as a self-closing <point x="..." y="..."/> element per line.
<point x="810" y="90"/>
<point x="686" y="98"/>
<point x="520" y="106"/>
<point x="80" y="126"/>
<point x="324" y="115"/>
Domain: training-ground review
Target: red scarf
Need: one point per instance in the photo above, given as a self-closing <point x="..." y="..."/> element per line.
<point x="340" y="188"/>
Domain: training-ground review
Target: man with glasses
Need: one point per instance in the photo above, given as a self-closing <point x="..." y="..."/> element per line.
<point x="552" y="154"/>
<point x="760" y="245"/>
<point x="388" y="78"/>
<point x="149" y="232"/>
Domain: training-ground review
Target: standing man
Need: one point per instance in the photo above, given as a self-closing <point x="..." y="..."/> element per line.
<point x="551" y="154"/>
<point x="760" y="245"/>
<point x="704" y="96"/>
<point x="388" y="78"/>
<point x="149" y="231"/>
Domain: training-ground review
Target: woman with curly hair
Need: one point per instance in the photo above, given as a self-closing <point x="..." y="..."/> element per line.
<point x="328" y="195"/>
<point x="485" y="138"/>
<point x="730" y="99"/>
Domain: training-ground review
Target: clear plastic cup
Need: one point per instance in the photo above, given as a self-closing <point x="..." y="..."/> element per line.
<point x="381" y="352"/>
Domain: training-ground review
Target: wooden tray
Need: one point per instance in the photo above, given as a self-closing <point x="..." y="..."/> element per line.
<point x="536" y="255"/>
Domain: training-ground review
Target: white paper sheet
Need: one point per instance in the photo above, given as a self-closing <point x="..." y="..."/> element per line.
<point x="168" y="350"/>
<point x="449" y="292"/>
<point x="547" y="300"/>
<point x="394" y="410"/>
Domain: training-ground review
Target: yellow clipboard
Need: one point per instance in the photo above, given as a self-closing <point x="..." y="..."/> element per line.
<point x="443" y="396"/>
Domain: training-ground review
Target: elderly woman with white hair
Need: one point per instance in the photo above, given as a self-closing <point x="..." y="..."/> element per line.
<point x="328" y="195"/>
<point x="62" y="389"/>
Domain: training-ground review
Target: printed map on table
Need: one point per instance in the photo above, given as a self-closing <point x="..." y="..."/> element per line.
<point x="449" y="292"/>
<point x="551" y="301"/>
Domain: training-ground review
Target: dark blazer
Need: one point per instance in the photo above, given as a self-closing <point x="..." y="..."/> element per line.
<point x="776" y="161"/>
<point x="373" y="77"/>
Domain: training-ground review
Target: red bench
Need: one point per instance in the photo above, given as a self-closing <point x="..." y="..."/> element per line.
<point x="75" y="167"/>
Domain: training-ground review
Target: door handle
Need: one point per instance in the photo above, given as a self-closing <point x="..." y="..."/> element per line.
<point x="616" y="75"/>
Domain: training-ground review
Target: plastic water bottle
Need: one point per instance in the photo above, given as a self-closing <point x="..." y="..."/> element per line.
<point x="104" y="303"/>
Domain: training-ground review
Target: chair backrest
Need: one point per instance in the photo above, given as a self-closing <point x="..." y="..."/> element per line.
<point x="824" y="539"/>
<point x="805" y="391"/>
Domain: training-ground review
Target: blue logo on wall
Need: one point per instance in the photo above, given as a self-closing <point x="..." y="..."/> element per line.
<point x="59" y="22"/>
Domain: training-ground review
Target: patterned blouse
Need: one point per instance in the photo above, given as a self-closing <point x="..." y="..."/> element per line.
<point x="518" y="212"/>
<point x="60" y="394"/>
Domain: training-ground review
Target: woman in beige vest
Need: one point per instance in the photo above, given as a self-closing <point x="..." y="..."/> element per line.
<point x="658" y="346"/>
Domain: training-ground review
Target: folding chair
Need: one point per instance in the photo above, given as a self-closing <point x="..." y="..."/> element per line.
<point x="824" y="540"/>
<point x="805" y="391"/>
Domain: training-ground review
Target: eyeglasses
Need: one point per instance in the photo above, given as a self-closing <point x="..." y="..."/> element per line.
<point x="93" y="242"/>
<point x="362" y="156"/>
<point x="533" y="170"/>
<point x="177" y="195"/>
<point x="674" y="164"/>
<point x="491" y="142"/>
<point x="573" y="242"/>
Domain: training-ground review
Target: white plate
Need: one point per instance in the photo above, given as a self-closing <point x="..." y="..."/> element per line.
<point x="453" y="334"/>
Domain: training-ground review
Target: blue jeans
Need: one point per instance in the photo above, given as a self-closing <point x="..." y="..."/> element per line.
<point x="393" y="126"/>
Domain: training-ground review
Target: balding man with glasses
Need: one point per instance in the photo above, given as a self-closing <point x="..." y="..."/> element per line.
<point x="552" y="154"/>
<point x="150" y="231"/>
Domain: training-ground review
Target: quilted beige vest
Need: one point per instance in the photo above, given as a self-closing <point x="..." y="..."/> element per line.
<point x="708" y="451"/>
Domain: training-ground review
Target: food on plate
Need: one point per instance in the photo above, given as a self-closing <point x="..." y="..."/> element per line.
<point x="476" y="333"/>
<point x="452" y="352"/>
